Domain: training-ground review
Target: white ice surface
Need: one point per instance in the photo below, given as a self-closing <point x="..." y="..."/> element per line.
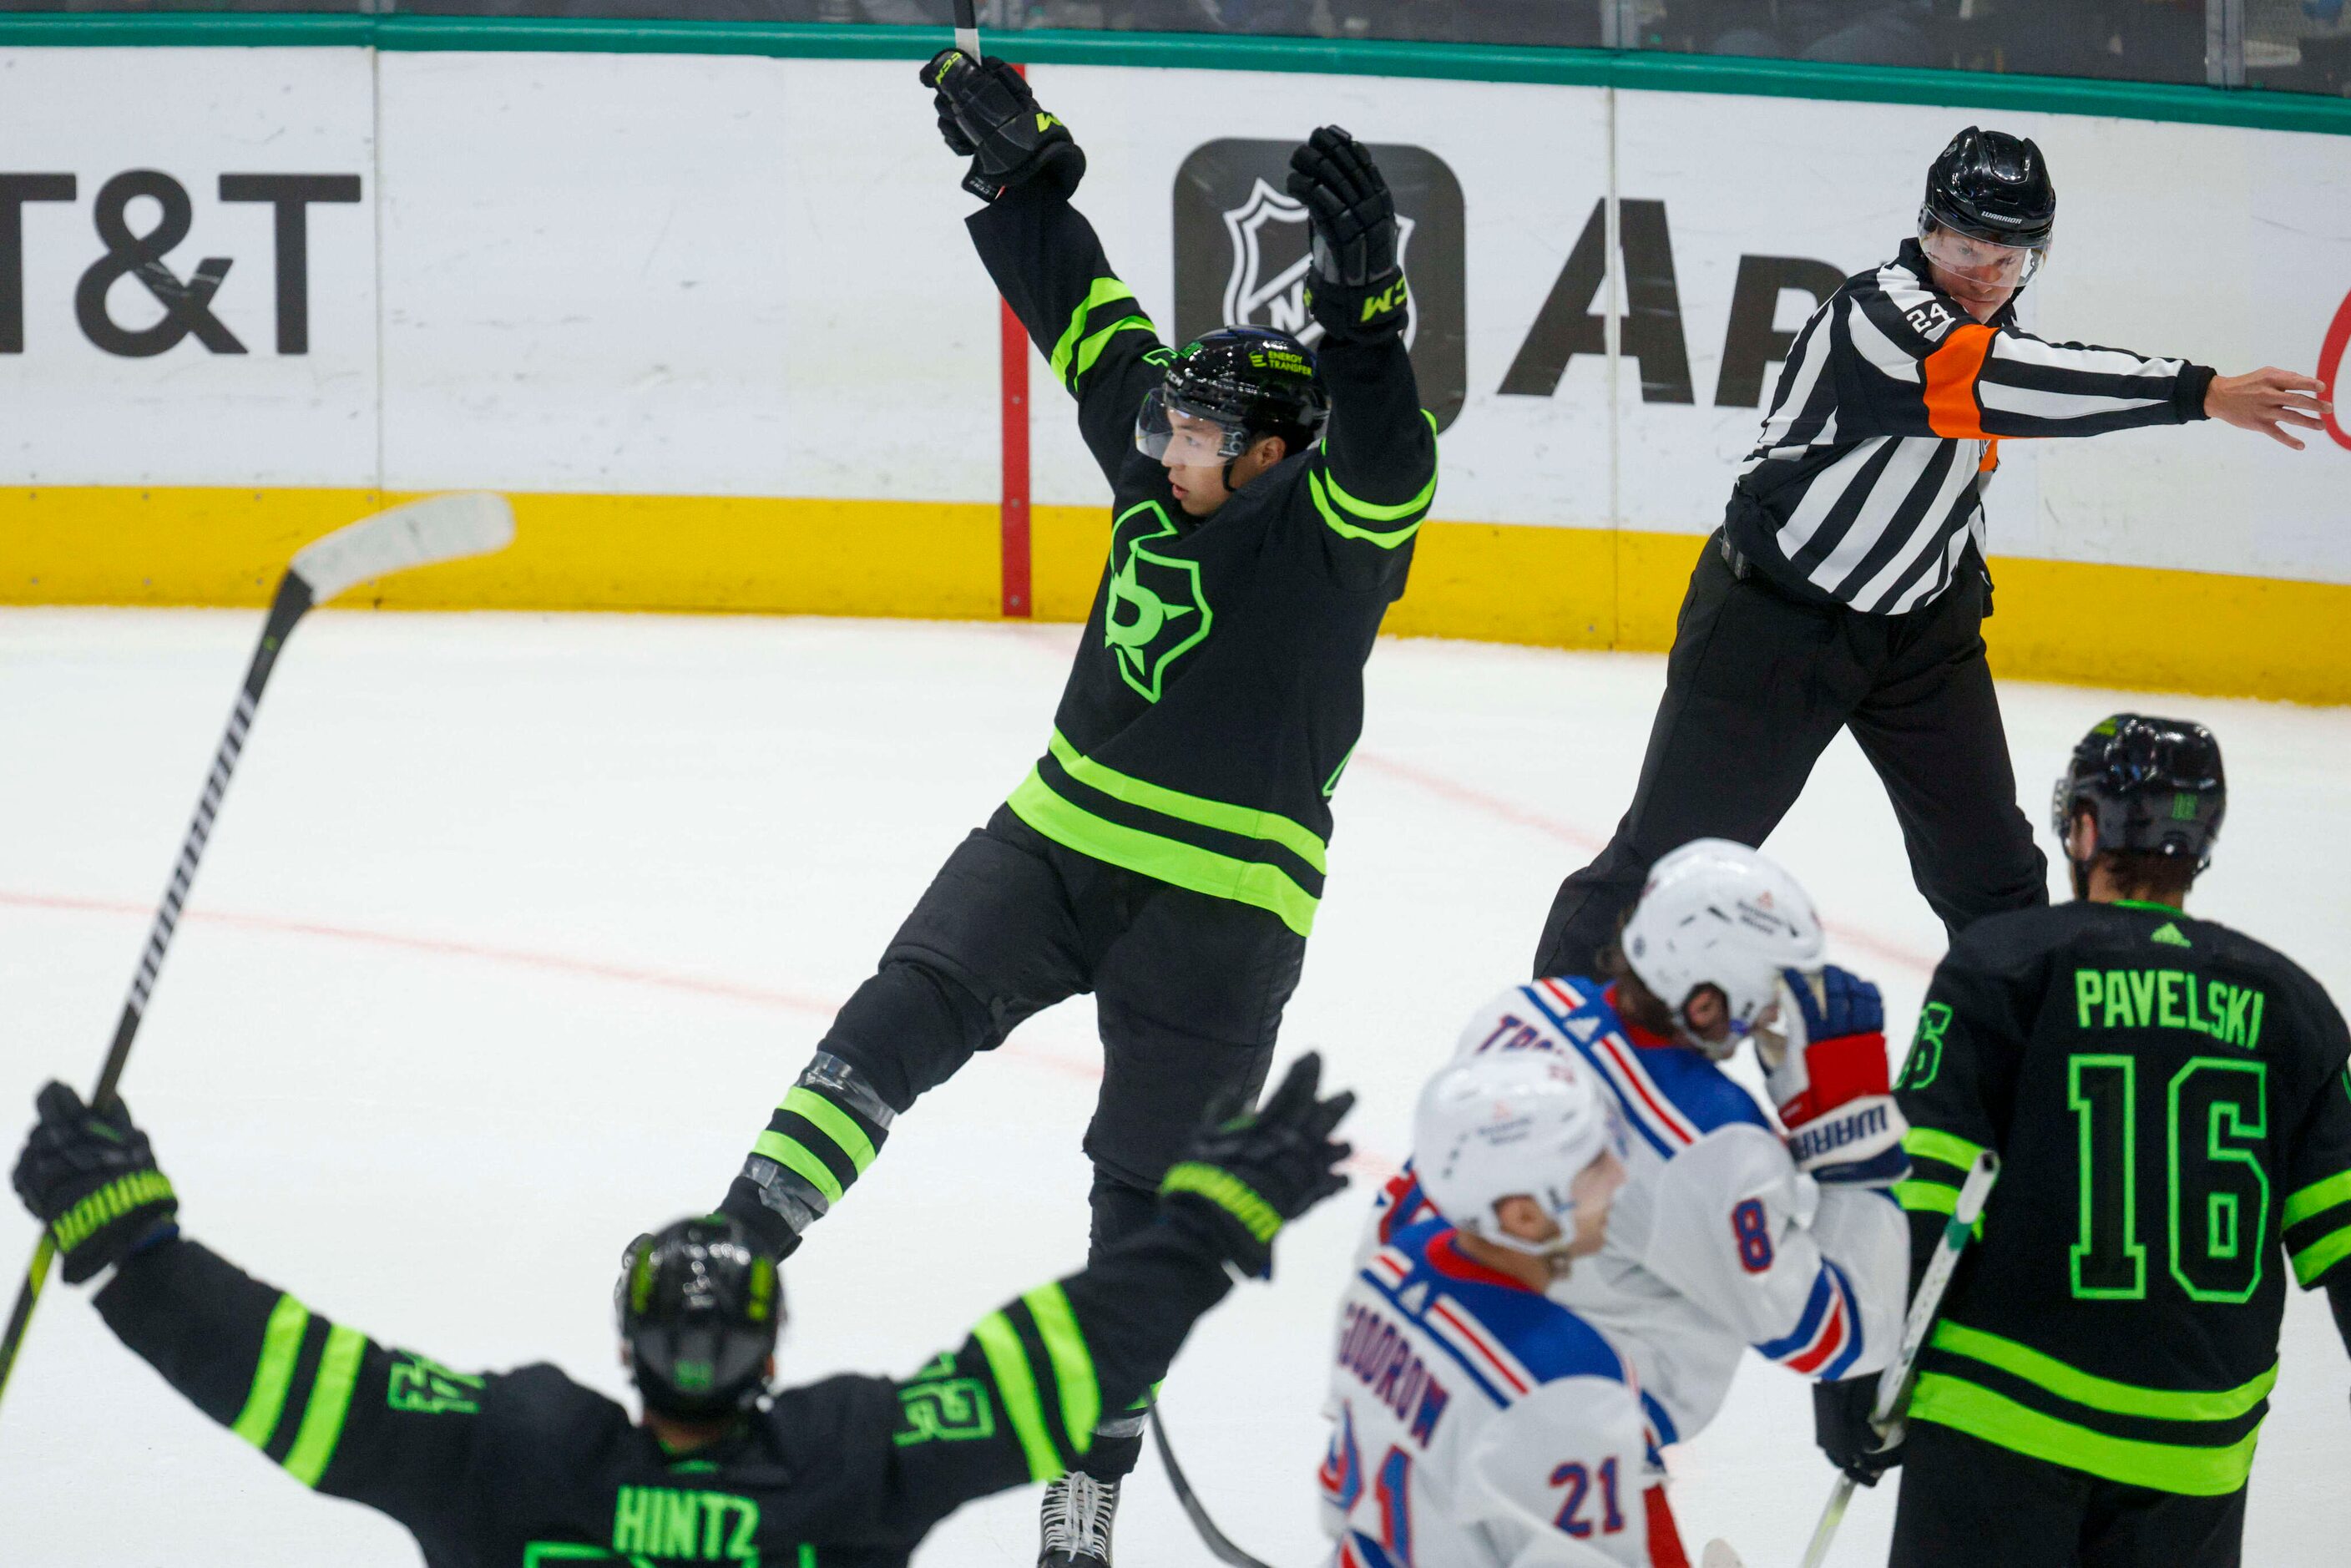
<point x="514" y="926"/>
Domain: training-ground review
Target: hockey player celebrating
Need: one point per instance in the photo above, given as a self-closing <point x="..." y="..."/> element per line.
<point x="1729" y="1235"/>
<point x="1476" y="1423"/>
<point x="2171" y="1107"/>
<point x="1167" y="852"/>
<point x="528" y="1466"/>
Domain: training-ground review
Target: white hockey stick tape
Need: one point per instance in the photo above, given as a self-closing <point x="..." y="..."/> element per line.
<point x="420" y="533"/>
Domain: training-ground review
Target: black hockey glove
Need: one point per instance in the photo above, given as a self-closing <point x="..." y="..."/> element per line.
<point x="1842" y="1427"/>
<point x="1354" y="288"/>
<point x="90" y="1176"/>
<point x="988" y="114"/>
<point x="1246" y="1173"/>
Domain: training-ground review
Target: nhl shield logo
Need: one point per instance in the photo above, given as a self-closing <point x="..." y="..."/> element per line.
<point x="1271" y="248"/>
<point x="1154" y="612"/>
<point x="1243" y="247"/>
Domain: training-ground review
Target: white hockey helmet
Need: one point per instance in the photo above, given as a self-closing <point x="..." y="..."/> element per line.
<point x="1492" y="1127"/>
<point x="1716" y="913"/>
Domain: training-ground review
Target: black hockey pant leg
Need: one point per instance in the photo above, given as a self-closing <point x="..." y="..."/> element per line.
<point x="2134" y="1527"/>
<point x="1967" y="1503"/>
<point x="992" y="941"/>
<point x="1756" y="688"/>
<point x="1189" y="1001"/>
<point x="1932" y="729"/>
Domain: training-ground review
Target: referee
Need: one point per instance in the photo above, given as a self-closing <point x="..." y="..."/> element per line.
<point x="1847" y="584"/>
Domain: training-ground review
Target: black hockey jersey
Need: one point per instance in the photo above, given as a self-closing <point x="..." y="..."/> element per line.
<point x="2171" y="1104"/>
<point x="1218" y="690"/>
<point x="528" y="1469"/>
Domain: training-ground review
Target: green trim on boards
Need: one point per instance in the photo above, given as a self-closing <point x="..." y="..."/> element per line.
<point x="1640" y="70"/>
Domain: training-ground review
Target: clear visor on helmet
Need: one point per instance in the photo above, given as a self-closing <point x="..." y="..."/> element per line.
<point x="1183" y="435"/>
<point x="1979" y="263"/>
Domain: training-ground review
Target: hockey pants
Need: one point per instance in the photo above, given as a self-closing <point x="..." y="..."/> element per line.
<point x="1967" y="1503"/>
<point x="1188" y="994"/>
<point x="1757" y="685"/>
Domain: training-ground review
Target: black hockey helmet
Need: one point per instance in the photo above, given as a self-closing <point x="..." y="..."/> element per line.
<point x="1991" y="186"/>
<point x="700" y="1304"/>
<point x="1249" y="382"/>
<point x="2153" y="784"/>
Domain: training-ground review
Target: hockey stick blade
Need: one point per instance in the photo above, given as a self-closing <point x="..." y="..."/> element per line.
<point x="1220" y="1545"/>
<point x="421" y="533"/>
<point x="966" y="26"/>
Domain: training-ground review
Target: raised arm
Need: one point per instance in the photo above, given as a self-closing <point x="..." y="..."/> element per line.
<point x="1019" y="1399"/>
<point x="1375" y="474"/>
<point x="1915" y="365"/>
<point x="1042" y="253"/>
<point x="334" y="1409"/>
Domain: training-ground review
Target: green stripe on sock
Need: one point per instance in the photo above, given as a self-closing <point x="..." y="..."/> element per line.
<point x="795" y="1155"/>
<point x="330" y="1401"/>
<point x="836" y="1123"/>
<point x="1074" y="1364"/>
<point x="281" y="1342"/>
<point x="1016" y="1386"/>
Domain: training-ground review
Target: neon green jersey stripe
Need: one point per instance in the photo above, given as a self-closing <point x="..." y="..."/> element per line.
<point x="330" y="1401"/>
<point x="1106" y="290"/>
<point x="1927" y="1144"/>
<point x="1017" y="1386"/>
<point x="795" y="1155"/>
<point x="1091" y="348"/>
<point x="1387" y="539"/>
<point x="1169" y="859"/>
<point x="2100" y="1393"/>
<point x="281" y="1342"/>
<point x="2314" y="1259"/>
<point x="1921" y="1197"/>
<point x="1198" y="810"/>
<point x="2166" y="1467"/>
<point x="2318" y="1198"/>
<point x="1372" y="511"/>
<point x="836" y="1123"/>
<point x="1074" y="1364"/>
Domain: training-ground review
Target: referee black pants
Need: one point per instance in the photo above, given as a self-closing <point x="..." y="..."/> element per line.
<point x="1967" y="1503"/>
<point x="1757" y="685"/>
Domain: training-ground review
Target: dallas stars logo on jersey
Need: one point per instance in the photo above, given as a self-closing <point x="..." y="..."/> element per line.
<point x="1157" y="611"/>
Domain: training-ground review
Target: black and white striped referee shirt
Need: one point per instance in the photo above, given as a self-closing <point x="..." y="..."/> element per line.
<point x="1865" y="486"/>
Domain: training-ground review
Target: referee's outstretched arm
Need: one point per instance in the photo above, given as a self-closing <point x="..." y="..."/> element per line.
<point x="1847" y="587"/>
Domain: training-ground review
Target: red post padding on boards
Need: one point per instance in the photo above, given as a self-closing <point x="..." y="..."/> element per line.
<point x="1012" y="354"/>
<point x="1013" y="349"/>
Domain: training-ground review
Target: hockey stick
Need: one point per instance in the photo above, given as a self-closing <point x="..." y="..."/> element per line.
<point x="967" y="27"/>
<point x="1220" y="1545"/>
<point x="439" y="528"/>
<point x="1894" y="1383"/>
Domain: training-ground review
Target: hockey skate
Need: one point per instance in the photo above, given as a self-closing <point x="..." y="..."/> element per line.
<point x="1075" y="1522"/>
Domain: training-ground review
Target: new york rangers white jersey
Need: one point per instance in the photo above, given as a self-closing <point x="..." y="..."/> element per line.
<point x="1475" y="1423"/>
<point x="1717" y="1242"/>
